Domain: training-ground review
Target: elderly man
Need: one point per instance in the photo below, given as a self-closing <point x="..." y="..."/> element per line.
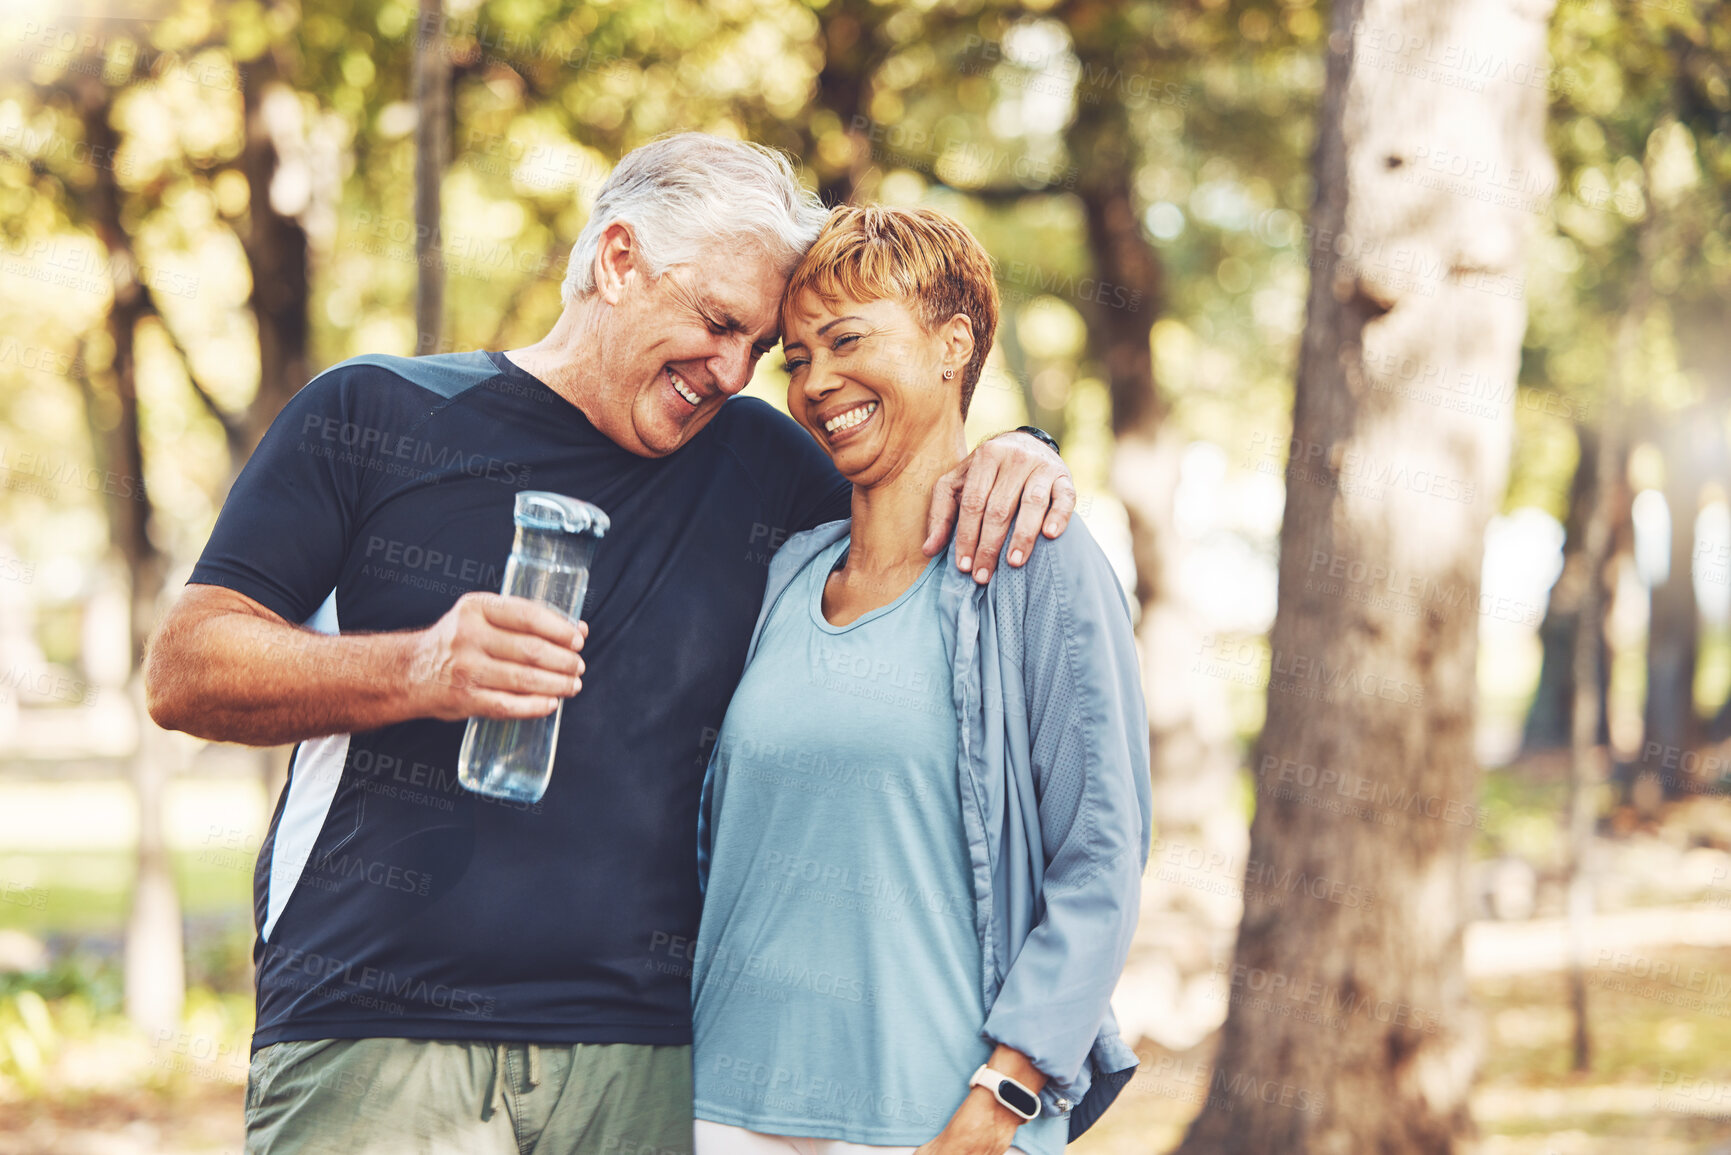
<point x="443" y="972"/>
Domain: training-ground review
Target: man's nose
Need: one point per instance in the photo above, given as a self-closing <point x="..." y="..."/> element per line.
<point x="732" y="367"/>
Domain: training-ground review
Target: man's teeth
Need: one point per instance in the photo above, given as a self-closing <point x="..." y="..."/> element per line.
<point x="682" y="388"/>
<point x="851" y="418"/>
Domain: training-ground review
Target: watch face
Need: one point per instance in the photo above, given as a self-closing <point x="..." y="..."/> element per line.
<point x="1017" y="1097"/>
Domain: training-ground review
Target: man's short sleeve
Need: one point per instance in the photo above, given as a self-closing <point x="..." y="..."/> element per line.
<point x="284" y="531"/>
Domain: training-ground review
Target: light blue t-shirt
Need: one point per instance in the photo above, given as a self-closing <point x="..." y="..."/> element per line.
<point x="836" y="977"/>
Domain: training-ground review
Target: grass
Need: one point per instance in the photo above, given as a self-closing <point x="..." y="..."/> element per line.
<point x="86" y="892"/>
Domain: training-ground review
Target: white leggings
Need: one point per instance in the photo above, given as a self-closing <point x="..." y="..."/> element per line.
<point x="725" y="1139"/>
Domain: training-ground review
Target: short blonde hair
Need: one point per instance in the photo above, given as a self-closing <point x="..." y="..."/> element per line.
<point x="920" y="256"/>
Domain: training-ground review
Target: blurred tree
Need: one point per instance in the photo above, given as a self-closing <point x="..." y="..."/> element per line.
<point x="1547" y="725"/>
<point x="1639" y="119"/>
<point x="155" y="978"/>
<point x="432" y="152"/>
<point x="275" y="243"/>
<point x="1195" y="757"/>
<point x="1377" y="698"/>
<point x="1603" y="502"/>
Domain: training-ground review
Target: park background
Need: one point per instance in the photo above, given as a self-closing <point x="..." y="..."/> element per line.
<point x="1387" y="343"/>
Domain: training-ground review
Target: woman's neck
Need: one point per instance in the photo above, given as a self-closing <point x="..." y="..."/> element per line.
<point x="890" y="517"/>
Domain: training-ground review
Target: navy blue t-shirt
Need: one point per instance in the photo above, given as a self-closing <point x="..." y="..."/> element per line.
<point x="391" y="902"/>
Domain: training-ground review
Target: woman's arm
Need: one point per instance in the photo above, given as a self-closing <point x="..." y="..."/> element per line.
<point x="982" y="1125"/>
<point x="1088" y="741"/>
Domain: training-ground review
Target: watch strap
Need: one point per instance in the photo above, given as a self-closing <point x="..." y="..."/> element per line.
<point x="994" y="1081"/>
<point x="1039" y="434"/>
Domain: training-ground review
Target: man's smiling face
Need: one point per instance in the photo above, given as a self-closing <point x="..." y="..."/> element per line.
<point x="680" y="344"/>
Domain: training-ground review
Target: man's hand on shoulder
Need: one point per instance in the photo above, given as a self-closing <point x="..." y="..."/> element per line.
<point x="1012" y="478"/>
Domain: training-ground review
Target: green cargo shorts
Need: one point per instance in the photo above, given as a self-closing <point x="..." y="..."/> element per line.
<point x="419" y="1097"/>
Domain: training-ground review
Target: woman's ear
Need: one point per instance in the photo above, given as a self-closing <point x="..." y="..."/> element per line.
<point x="957" y="336"/>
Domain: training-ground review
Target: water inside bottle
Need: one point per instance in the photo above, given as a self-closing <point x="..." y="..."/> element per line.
<point x="513" y="757"/>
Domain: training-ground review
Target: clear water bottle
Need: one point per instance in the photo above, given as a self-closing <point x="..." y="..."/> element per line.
<point x="556" y="538"/>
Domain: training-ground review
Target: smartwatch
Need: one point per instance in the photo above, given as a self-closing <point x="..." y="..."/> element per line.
<point x="1039" y="434"/>
<point x="1007" y="1091"/>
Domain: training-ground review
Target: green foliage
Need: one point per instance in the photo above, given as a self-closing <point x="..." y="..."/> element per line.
<point x="27" y="1038"/>
<point x="1639" y="118"/>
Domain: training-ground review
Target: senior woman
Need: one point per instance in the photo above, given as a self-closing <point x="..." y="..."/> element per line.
<point x="925" y="819"/>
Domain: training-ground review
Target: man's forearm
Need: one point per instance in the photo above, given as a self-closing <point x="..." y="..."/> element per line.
<point x="236" y="677"/>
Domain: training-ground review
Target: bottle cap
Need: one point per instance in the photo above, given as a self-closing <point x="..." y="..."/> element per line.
<point x="538" y="509"/>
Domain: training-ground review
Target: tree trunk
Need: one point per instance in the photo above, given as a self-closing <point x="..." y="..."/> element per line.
<point x="1547" y="724"/>
<point x="432" y="151"/>
<point x="1608" y="506"/>
<point x="1588" y="736"/>
<point x="276" y="254"/>
<point x="1704" y="346"/>
<point x="155" y="970"/>
<point x="1673" y="630"/>
<point x="1189" y="910"/>
<point x="1347" y="1030"/>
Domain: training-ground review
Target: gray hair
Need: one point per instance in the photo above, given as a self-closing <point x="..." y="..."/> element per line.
<point x="682" y="192"/>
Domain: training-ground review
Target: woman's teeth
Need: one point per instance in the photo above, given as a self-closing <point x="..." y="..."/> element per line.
<point x="682" y="388"/>
<point x="851" y="418"/>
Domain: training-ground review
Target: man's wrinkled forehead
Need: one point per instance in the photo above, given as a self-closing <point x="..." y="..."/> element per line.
<point x="742" y="298"/>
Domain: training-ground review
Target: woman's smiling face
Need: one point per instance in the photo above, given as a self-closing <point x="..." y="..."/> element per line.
<point x="867" y="380"/>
